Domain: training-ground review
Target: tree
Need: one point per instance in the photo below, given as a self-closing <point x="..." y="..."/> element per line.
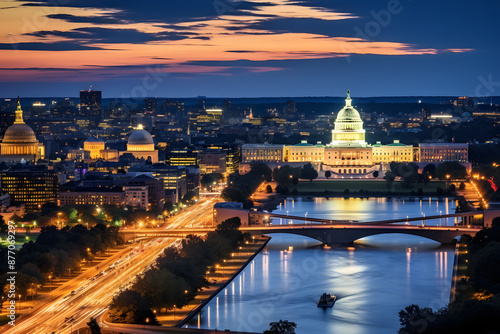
<point x="94" y="326"/>
<point x="286" y="174"/>
<point x="389" y="177"/>
<point x="451" y="170"/>
<point x="328" y="174"/>
<point x="188" y="197"/>
<point x="281" y="327"/>
<point x="308" y="172"/>
<point x="375" y="174"/>
<point x="3" y="225"/>
<point x="261" y="170"/>
<point x="207" y="181"/>
<point x="130" y="307"/>
<point x="413" y="319"/>
<point x="429" y="170"/>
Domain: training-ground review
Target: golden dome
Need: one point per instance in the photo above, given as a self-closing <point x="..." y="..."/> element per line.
<point x="19" y="139"/>
<point x="19" y="134"/>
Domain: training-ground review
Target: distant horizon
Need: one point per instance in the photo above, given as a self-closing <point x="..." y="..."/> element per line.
<point x="260" y="97"/>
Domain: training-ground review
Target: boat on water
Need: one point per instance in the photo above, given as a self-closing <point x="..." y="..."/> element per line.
<point x="326" y="300"/>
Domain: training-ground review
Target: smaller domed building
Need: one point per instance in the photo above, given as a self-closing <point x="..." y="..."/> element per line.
<point x="94" y="146"/>
<point x="141" y="145"/>
<point x="19" y="141"/>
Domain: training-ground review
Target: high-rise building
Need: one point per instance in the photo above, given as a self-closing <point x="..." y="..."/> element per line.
<point x="90" y="102"/>
<point x="150" y="104"/>
<point x="173" y="108"/>
<point x="7" y="115"/>
<point x="32" y="185"/>
<point x="212" y="161"/>
<point x="38" y="109"/>
<point x="290" y="109"/>
<point x="63" y="108"/>
<point x="182" y="157"/>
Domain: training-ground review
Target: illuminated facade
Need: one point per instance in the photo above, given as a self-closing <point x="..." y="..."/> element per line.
<point x="19" y="141"/>
<point x="305" y="152"/>
<point x="32" y="185"/>
<point x="441" y="152"/>
<point x="393" y="152"/>
<point x="94" y="146"/>
<point x="100" y="198"/>
<point x="262" y="152"/>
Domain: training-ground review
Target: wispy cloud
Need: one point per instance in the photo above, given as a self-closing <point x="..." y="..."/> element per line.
<point x="119" y="37"/>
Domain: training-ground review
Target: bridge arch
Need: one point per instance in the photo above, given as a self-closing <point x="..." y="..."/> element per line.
<point x="346" y="236"/>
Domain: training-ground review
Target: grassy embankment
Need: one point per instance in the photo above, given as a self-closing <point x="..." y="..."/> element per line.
<point x="372" y="187"/>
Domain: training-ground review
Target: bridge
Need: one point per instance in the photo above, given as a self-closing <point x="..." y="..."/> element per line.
<point x="330" y="235"/>
<point x="342" y="232"/>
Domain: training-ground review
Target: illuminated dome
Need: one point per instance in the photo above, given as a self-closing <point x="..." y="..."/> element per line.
<point x="19" y="139"/>
<point x="348" y="126"/>
<point x="140" y="140"/>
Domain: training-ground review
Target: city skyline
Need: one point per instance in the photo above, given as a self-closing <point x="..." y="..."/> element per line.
<point x="248" y="48"/>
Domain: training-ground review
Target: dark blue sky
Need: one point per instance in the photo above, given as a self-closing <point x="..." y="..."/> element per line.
<point x="226" y="48"/>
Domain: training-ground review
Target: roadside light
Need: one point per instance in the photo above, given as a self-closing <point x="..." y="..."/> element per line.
<point x="185" y="291"/>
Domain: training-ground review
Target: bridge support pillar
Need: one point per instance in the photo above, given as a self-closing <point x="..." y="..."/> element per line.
<point x="340" y="245"/>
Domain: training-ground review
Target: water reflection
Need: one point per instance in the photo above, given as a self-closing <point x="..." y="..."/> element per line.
<point x="373" y="281"/>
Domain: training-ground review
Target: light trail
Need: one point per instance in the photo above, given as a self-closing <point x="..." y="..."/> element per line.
<point x="95" y="288"/>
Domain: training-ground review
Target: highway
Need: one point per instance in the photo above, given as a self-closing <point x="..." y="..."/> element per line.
<point x="90" y="293"/>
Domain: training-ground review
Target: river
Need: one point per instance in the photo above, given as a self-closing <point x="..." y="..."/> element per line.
<point x="373" y="281"/>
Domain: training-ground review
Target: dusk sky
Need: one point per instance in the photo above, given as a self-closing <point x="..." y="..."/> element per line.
<point x="254" y="48"/>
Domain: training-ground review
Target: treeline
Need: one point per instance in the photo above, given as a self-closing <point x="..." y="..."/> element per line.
<point x="408" y="172"/>
<point x="241" y="187"/>
<point x="477" y="305"/>
<point x="177" y="276"/>
<point x="287" y="175"/>
<point x="55" y="253"/>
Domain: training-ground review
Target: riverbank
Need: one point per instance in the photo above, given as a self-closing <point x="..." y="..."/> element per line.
<point x="219" y="279"/>
<point x="460" y="274"/>
<point x="372" y="187"/>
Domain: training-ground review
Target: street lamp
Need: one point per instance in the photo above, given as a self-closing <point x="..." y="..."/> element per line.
<point x="19" y="302"/>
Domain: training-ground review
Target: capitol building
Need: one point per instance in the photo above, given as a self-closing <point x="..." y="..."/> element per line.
<point x="347" y="155"/>
<point x="19" y="141"/>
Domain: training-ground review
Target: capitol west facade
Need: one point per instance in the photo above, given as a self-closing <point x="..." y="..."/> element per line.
<point x="348" y="154"/>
